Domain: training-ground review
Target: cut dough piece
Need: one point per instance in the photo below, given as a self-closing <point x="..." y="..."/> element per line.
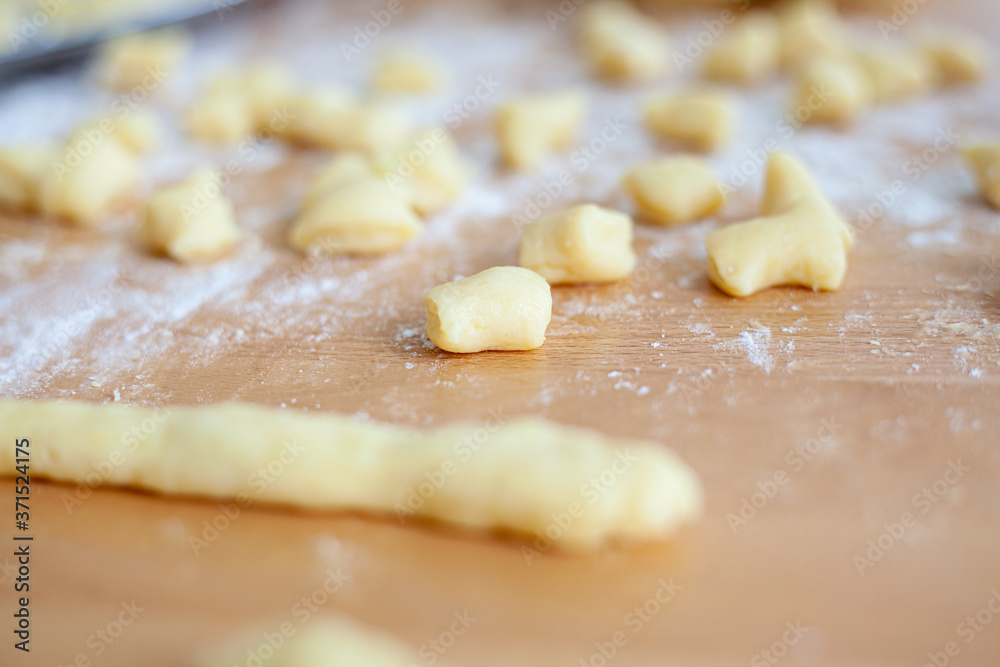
<point x="87" y="179"/>
<point x="585" y="244"/>
<point x="532" y="127"/>
<point x="525" y="472"/>
<point x="984" y="160"/>
<point x="139" y="131"/>
<point x="265" y="89"/>
<point x="364" y="217"/>
<point x="958" y="56"/>
<point x="620" y="43"/>
<point x="325" y="642"/>
<point x="142" y="60"/>
<point x="22" y="170"/>
<point x="193" y="221"/>
<point x="428" y="170"/>
<point x="503" y="308"/>
<point x="674" y="190"/>
<point x="895" y="74"/>
<point x="331" y="118"/>
<point x="799" y="240"/>
<point x="749" y="53"/>
<point x="703" y="119"/>
<point x="831" y="90"/>
<point x="345" y="168"/>
<point x="221" y="117"/>
<point x="809" y="29"/>
<point x="406" y="72"/>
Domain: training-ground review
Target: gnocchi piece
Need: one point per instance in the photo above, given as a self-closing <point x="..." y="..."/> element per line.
<point x="674" y="190"/>
<point x="139" y="131"/>
<point x="748" y="54"/>
<point x="142" y="60"/>
<point x="428" y="170"/>
<point x="532" y="127"/>
<point x="21" y="172"/>
<point x="503" y="308"/>
<point x="88" y="176"/>
<point x="585" y="244"/>
<point x="984" y="161"/>
<point x="704" y="119"/>
<point x="192" y="221"/>
<point x="364" y="217"/>
<point x="265" y="89"/>
<point x="221" y="117"/>
<point x="800" y="239"/>
<point x="831" y="91"/>
<point x="896" y="74"/>
<point x="809" y="29"/>
<point x="621" y="44"/>
<point x="331" y="119"/>
<point x="406" y="72"/>
<point x="958" y="56"/>
<point x="345" y="168"/>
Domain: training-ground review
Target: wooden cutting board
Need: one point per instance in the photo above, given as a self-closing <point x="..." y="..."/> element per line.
<point x="848" y="442"/>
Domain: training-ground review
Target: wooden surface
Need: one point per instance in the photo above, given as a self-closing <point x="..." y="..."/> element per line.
<point x="886" y="386"/>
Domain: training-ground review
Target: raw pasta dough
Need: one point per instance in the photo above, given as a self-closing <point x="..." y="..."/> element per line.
<point x="507" y="474"/>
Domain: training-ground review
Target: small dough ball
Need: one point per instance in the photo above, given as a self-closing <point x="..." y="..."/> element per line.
<point x="674" y="190"/>
<point x="142" y="60"/>
<point x="345" y="168"/>
<point x="800" y="238"/>
<point x="364" y="217"/>
<point x="984" y="161"/>
<point x="809" y="29"/>
<point x="958" y="56"/>
<point x="88" y="176"/>
<point x="265" y="88"/>
<point x="831" y="91"/>
<point x="749" y="53"/>
<point x="406" y="72"/>
<point x="585" y="244"/>
<point x="704" y="119"/>
<point x="332" y="119"/>
<point x="620" y="43"/>
<point x="220" y="117"/>
<point x="139" y="131"/>
<point x="532" y="127"/>
<point x="193" y="221"/>
<point x="896" y="74"/>
<point x="503" y="308"/>
<point x="429" y="169"/>
<point x="21" y="172"/>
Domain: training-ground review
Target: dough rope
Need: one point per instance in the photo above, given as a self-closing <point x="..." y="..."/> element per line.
<point x="516" y="477"/>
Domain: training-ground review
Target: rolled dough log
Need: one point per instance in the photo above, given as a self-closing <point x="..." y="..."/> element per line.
<point x="576" y="488"/>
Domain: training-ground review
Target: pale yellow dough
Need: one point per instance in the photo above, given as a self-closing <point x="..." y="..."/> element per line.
<point x="895" y="74"/>
<point x="406" y="72"/>
<point x="702" y="118"/>
<point x="142" y="60"/>
<point x="21" y="172"/>
<point x="139" y="130"/>
<point x="428" y="169"/>
<point x="242" y="103"/>
<point x="517" y="478"/>
<point x="192" y="221"/>
<point x="748" y="53"/>
<point x="363" y="217"/>
<point x="585" y="244"/>
<point x="87" y="178"/>
<point x="503" y="308"/>
<point x="984" y="161"/>
<point x="800" y="239"/>
<point x="327" y="641"/>
<point x="620" y="43"/>
<point x="532" y="127"/>
<point x="959" y="56"/>
<point x="674" y="190"/>
<point x="808" y="29"/>
<point x="832" y="90"/>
